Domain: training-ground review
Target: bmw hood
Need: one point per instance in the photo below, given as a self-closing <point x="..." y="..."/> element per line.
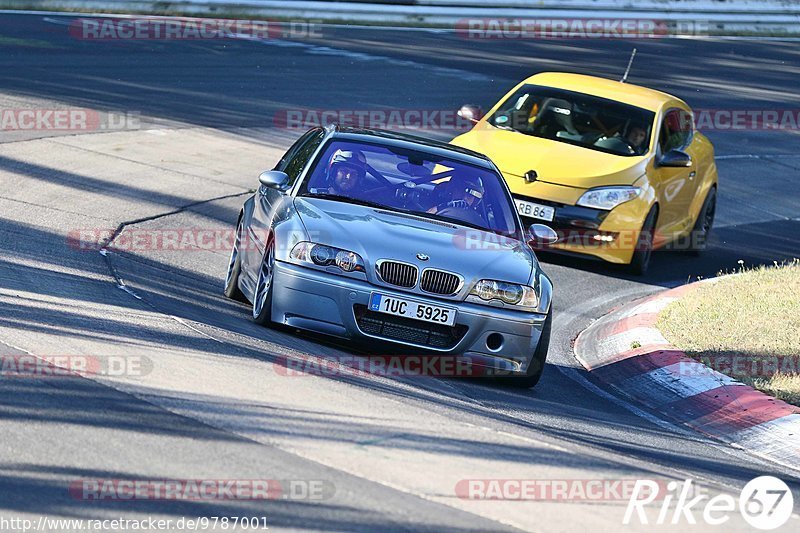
<point x="377" y="234"/>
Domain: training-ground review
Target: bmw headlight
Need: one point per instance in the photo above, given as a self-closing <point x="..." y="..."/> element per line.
<point x="608" y="198"/>
<point x="508" y="293"/>
<point x="323" y="256"/>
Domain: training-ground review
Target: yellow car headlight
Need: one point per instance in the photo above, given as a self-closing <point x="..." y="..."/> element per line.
<point x="607" y="198"/>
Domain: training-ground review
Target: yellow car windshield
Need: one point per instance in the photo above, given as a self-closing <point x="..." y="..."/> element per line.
<point x="577" y="118"/>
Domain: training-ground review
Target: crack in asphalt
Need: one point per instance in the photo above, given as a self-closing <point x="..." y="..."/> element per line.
<point x="104" y="247"/>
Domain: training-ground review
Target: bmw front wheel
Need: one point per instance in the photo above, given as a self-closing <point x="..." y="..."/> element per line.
<point x="262" y="298"/>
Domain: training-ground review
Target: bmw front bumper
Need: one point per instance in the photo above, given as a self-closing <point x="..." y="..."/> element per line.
<point x="332" y="304"/>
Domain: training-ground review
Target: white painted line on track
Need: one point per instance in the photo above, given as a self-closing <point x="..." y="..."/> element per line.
<point x="316" y="49"/>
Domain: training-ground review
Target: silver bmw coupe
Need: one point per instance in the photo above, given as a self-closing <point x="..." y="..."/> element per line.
<point x="393" y="239"/>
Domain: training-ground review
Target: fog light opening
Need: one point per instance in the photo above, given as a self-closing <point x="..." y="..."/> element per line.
<point x="494" y="342"/>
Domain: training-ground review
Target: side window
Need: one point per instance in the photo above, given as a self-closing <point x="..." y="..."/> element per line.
<point x="687" y="127"/>
<point x="295" y="159"/>
<point x="292" y="149"/>
<point x="676" y="130"/>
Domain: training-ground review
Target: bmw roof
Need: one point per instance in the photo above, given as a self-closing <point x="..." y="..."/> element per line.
<point x="414" y="142"/>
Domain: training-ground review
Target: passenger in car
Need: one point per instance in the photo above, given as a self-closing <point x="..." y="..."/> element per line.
<point x="467" y="196"/>
<point x="636" y="137"/>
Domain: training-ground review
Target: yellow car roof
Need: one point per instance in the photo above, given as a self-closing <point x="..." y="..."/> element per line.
<point x="604" y="88"/>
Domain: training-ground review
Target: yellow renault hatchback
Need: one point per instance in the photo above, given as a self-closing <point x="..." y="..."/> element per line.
<point x="616" y="169"/>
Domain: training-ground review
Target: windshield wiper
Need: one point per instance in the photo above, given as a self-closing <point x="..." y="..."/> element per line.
<point x="347" y="200"/>
<point x="456" y="221"/>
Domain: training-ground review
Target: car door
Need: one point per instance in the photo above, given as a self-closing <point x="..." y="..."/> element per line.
<point x="676" y="186"/>
<point x="292" y="163"/>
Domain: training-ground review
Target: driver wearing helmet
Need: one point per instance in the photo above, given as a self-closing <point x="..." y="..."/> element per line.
<point x="467" y="194"/>
<point x="346" y="172"/>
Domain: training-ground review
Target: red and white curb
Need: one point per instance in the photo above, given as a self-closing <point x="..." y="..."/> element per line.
<point x="626" y="351"/>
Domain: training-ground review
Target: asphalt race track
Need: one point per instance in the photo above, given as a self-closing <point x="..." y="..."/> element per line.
<point x="214" y="403"/>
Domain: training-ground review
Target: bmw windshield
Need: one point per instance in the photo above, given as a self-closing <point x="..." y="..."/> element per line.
<point x="412" y="181"/>
<point x="576" y="118"/>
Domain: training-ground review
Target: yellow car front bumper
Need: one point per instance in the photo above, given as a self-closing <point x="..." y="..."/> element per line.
<point x="608" y="235"/>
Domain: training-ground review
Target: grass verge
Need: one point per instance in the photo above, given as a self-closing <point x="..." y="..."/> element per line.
<point x="746" y="326"/>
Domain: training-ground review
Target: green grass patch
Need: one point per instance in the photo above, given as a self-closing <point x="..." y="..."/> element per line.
<point x="746" y="326"/>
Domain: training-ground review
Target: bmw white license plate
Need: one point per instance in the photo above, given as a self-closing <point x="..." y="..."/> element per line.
<point x="412" y="309"/>
<point x="532" y="210"/>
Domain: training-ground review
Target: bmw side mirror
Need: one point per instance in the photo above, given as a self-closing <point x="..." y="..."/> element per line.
<point x="541" y="234"/>
<point x="469" y="112"/>
<point x="675" y="158"/>
<point x="274" y="179"/>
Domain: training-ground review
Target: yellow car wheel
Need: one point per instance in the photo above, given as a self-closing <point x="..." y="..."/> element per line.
<point x="702" y="227"/>
<point x="640" y="261"/>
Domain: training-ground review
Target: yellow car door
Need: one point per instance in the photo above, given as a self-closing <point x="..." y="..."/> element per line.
<point x="675" y="173"/>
